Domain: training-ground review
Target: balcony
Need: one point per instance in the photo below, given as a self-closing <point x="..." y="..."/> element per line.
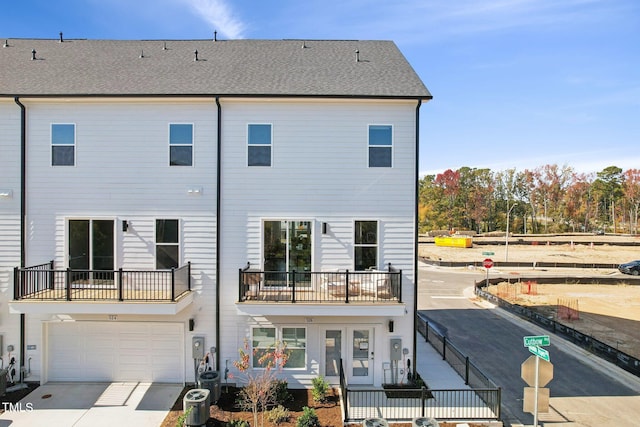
<point x="43" y="289"/>
<point x="371" y="292"/>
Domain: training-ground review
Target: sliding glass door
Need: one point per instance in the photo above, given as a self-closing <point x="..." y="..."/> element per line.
<point x="287" y="248"/>
<point x="91" y="247"/>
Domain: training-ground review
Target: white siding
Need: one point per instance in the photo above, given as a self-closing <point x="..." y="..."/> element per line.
<point x="122" y="172"/>
<point x="320" y="173"/>
<point x="9" y="220"/>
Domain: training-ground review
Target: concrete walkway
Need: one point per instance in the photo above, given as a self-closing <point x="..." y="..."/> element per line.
<point x="93" y="404"/>
<point x="437" y="373"/>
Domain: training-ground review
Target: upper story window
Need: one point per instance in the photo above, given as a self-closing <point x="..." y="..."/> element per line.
<point x="380" y="146"/>
<point x="167" y="244"/>
<point x="259" y="142"/>
<point x="63" y="144"/>
<point x="180" y="144"/>
<point x="366" y="245"/>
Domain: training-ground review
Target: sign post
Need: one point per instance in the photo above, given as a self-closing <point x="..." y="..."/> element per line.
<point x="533" y="343"/>
<point x="487" y="263"/>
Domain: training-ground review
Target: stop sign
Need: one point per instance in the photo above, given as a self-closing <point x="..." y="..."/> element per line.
<point x="487" y="263"/>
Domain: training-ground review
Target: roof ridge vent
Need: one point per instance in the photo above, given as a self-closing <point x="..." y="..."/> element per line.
<point x="357" y="55"/>
<point x="195" y="52"/>
<point x="164" y="46"/>
<point x="33" y="54"/>
<point x="142" y="53"/>
<point x="6" y="43"/>
<point x="304" y="44"/>
<point x="61" y="39"/>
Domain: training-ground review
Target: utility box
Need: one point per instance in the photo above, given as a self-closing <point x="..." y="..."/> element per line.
<point x="197" y="348"/>
<point x="195" y="405"/>
<point x="396" y="349"/>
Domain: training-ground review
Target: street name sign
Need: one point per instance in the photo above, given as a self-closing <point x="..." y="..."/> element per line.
<point x="537" y="341"/>
<point x="540" y="352"/>
<point x="488" y="253"/>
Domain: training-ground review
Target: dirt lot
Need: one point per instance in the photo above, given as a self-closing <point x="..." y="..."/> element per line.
<point x="611" y="313"/>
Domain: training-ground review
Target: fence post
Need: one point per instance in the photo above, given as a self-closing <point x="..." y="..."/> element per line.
<point x="51" y="275"/>
<point x="426" y="330"/>
<point x="466" y="370"/>
<point x="423" y="401"/>
<point x="120" y="285"/>
<point x="400" y="285"/>
<point x="67" y="280"/>
<point x="16" y="284"/>
<point x="189" y="275"/>
<point x="444" y="348"/>
<point x="346" y="287"/>
<point x="173" y="283"/>
<point x="293" y="283"/>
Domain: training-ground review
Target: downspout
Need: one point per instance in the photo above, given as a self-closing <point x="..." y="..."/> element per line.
<point x="415" y="240"/>
<point x="23" y="213"/>
<point x="218" y="210"/>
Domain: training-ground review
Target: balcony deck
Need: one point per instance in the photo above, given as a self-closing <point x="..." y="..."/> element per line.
<point x="373" y="292"/>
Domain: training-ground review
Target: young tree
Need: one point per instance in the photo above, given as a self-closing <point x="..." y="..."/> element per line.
<point x="259" y="390"/>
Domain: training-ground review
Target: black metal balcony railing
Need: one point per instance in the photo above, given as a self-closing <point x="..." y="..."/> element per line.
<point x="44" y="283"/>
<point x="371" y="286"/>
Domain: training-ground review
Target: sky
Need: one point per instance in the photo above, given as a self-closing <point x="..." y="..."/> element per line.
<point x="516" y="84"/>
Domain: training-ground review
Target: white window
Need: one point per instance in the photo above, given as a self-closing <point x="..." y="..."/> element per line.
<point x="265" y="339"/>
<point x="180" y="144"/>
<point x="259" y="140"/>
<point x="63" y="144"/>
<point x="380" y="146"/>
<point x="366" y="245"/>
<point x="167" y="244"/>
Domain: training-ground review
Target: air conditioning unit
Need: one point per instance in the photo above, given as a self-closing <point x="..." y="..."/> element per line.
<point x="424" y="422"/>
<point x="375" y="422"/>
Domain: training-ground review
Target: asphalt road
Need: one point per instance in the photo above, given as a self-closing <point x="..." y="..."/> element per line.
<point x="585" y="391"/>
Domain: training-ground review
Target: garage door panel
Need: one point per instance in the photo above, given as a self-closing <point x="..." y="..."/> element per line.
<point x="116" y="351"/>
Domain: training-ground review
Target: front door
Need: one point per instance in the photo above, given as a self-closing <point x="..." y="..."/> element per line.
<point x="91" y="248"/>
<point x="360" y="364"/>
<point x="333" y="353"/>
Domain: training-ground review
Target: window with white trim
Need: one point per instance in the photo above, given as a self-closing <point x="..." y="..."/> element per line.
<point x="180" y="144"/>
<point x="366" y="245"/>
<point x="265" y="339"/>
<point x="259" y="140"/>
<point x="63" y="144"/>
<point x="167" y="244"/>
<point x="295" y="341"/>
<point x="380" y="146"/>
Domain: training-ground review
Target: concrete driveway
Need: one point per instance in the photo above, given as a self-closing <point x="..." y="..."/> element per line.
<point x="93" y="404"/>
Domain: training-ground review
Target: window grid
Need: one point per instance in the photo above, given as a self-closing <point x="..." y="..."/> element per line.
<point x="167" y="244"/>
<point x="180" y="144"/>
<point x="380" y="146"/>
<point x="259" y="144"/>
<point x="63" y="144"/>
<point x="366" y="245"/>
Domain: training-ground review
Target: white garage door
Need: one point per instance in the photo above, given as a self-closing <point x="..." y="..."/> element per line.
<point x="116" y="351"/>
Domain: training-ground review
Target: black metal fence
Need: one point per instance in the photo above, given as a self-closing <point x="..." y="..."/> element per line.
<point x="589" y="343"/>
<point x="44" y="283"/>
<point x="346" y="286"/>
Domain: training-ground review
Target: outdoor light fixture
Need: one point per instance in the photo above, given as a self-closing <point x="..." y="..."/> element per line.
<point x="390" y="325"/>
<point x="324" y="228"/>
<point x="125" y="225"/>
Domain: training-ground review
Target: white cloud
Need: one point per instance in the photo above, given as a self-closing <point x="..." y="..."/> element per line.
<point x="220" y="15"/>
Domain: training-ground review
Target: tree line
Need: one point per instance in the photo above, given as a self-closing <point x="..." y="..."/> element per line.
<point x="548" y="199"/>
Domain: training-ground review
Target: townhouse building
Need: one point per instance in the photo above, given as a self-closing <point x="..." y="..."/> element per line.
<point x="168" y="202"/>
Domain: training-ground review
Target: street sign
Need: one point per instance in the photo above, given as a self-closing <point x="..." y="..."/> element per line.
<point x="487" y="263"/>
<point x="539" y="340"/>
<point x="540" y="352"/>
<point x="488" y="253"/>
<point x="528" y="371"/>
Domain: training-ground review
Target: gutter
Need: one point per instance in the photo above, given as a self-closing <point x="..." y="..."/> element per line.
<point x="23" y="213"/>
<point x="415" y="240"/>
<point x="218" y="221"/>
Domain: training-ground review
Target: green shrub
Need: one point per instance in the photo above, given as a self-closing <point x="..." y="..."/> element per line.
<point x="280" y="391"/>
<point x="309" y="418"/>
<point x="278" y="415"/>
<point x="320" y="389"/>
<point x="237" y="423"/>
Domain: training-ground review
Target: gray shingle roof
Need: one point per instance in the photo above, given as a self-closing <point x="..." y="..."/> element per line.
<point x="232" y="67"/>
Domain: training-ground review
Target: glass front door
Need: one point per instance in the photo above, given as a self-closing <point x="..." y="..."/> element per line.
<point x="332" y="352"/>
<point x="287" y="248"/>
<point x="91" y="247"/>
<point x="360" y="370"/>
